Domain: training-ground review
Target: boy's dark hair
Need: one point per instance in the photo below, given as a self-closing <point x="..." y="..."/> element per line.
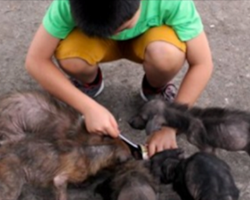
<point x="102" y="17"/>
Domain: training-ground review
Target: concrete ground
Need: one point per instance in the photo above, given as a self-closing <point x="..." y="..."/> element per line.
<point x="227" y="27"/>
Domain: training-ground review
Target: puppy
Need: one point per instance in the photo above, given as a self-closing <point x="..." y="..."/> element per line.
<point x="156" y="161"/>
<point x="44" y="163"/>
<point x="206" y="128"/>
<point x="130" y="180"/>
<point x="202" y="176"/>
<point x="133" y="179"/>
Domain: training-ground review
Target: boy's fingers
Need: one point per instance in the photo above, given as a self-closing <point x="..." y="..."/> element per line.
<point x="115" y="127"/>
<point x="174" y="145"/>
<point x="111" y="131"/>
<point x="159" y="148"/>
<point x="166" y="146"/>
<point x="113" y="122"/>
<point x="151" y="149"/>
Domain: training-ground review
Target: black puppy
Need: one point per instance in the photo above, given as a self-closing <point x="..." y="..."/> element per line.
<point x="206" y="128"/>
<point x="202" y="176"/>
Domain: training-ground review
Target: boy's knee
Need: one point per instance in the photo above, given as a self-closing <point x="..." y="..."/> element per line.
<point x="75" y="65"/>
<point x="162" y="54"/>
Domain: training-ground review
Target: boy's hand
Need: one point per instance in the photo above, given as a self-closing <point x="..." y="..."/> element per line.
<point x="99" y="120"/>
<point x="42" y="69"/>
<point x="161" y="140"/>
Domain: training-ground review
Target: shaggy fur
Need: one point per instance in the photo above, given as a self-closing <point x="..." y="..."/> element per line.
<point x="131" y="180"/>
<point x="38" y="114"/>
<point x="202" y="176"/>
<point x="206" y="128"/>
<point x="43" y="163"/>
<point x="44" y="141"/>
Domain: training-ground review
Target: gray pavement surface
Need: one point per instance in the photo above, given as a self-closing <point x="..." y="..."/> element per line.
<point x="227" y="24"/>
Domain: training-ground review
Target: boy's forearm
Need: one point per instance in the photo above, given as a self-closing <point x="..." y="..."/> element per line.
<point x="54" y="81"/>
<point x="200" y="70"/>
<point x="194" y="83"/>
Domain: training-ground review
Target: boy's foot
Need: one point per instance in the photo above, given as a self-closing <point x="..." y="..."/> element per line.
<point x="93" y="89"/>
<point x="168" y="92"/>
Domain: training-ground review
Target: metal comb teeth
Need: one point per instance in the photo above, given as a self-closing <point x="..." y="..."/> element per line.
<point x="137" y="150"/>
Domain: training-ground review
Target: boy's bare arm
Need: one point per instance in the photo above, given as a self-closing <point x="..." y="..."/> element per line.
<point x="200" y="69"/>
<point x="39" y="64"/>
<point x="199" y="73"/>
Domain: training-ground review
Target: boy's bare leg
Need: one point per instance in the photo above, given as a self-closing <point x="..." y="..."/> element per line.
<point x="79" y="69"/>
<point x="162" y="62"/>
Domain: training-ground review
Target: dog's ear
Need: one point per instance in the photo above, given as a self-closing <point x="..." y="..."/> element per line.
<point x="137" y="122"/>
<point x="168" y="170"/>
<point x="163" y="166"/>
<point x="155" y="124"/>
<point x="177" y="153"/>
<point x="159" y="157"/>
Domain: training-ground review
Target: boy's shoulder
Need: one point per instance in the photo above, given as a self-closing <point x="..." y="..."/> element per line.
<point x="58" y="20"/>
<point x="169" y="9"/>
<point x="181" y="15"/>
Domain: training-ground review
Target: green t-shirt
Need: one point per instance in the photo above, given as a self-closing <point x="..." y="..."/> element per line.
<point x="181" y="15"/>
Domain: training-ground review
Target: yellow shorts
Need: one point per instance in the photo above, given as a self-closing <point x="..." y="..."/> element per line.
<point x="96" y="50"/>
